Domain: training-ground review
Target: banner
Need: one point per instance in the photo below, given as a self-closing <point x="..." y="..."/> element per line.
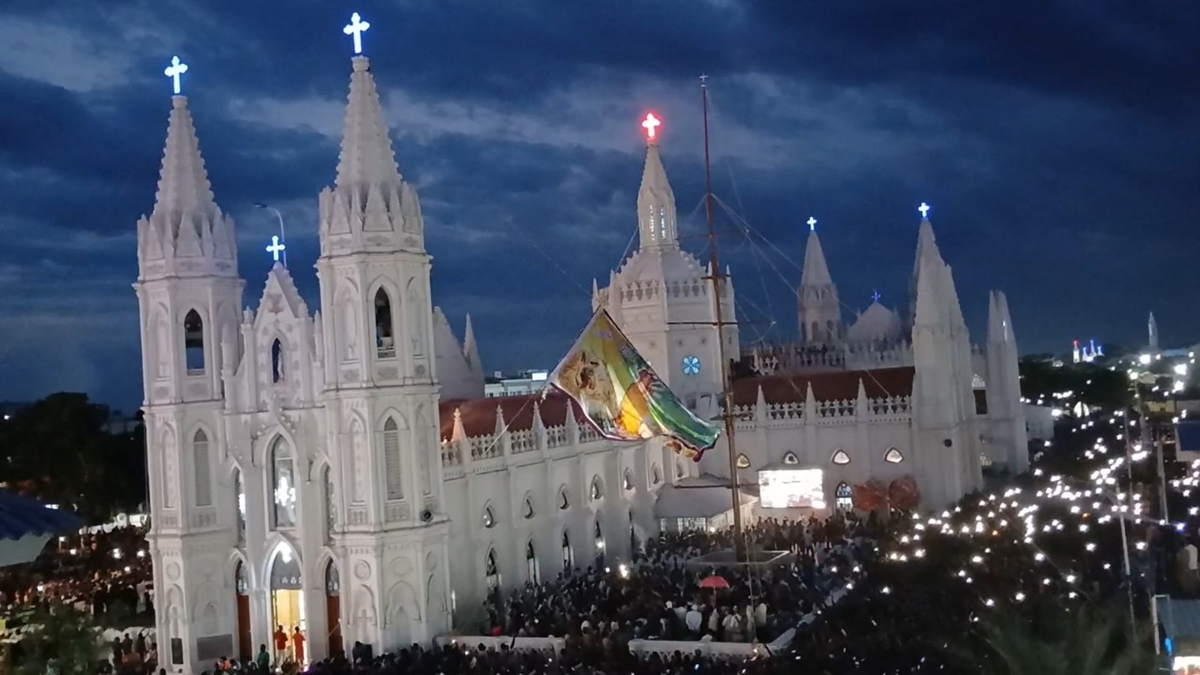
<point x="620" y="394"/>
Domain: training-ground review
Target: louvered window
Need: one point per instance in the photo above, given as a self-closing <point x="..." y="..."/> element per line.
<point x="391" y="460"/>
<point x="202" y="473"/>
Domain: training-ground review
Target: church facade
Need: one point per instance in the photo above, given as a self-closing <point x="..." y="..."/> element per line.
<point x="340" y="472"/>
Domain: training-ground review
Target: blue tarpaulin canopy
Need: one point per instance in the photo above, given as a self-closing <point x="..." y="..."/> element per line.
<point x="1188" y="433"/>
<point x="27" y="524"/>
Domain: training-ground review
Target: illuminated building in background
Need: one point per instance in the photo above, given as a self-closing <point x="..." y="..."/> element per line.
<point x="1087" y="353"/>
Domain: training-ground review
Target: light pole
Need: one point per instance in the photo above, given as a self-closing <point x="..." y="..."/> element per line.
<point x="1116" y="504"/>
<point x="279" y="216"/>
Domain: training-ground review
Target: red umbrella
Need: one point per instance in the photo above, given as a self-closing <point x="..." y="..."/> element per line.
<point x="714" y="582"/>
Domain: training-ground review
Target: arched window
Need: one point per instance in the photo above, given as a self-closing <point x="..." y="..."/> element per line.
<point x="489" y="518"/>
<point x="598" y="539"/>
<point x="385" y="333"/>
<point x="193" y="342"/>
<point x="241" y="585"/>
<point x="843" y="497"/>
<point x="597" y="490"/>
<point x="532" y="571"/>
<point x="491" y="571"/>
<point x="790" y="459"/>
<point x="680" y="469"/>
<point x="330" y="508"/>
<point x="527" y="509"/>
<point x="568" y="554"/>
<point x="655" y="474"/>
<point x="743" y="462"/>
<point x="393" y="475"/>
<point x="563" y="502"/>
<point x="815" y="334"/>
<point x="277" y="361"/>
<point x="627" y="480"/>
<point x="283" y="480"/>
<point x="893" y="456"/>
<point x="239" y="491"/>
<point x="201" y="472"/>
<point x="841" y="458"/>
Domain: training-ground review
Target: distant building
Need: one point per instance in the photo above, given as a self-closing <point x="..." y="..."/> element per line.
<point x="521" y="384"/>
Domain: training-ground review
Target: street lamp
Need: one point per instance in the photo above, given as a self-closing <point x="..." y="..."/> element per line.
<point x="279" y="216"/>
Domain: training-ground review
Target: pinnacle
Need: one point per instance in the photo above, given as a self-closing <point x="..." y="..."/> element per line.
<point x="183" y="185"/>
<point x="656" y="204"/>
<point x="366" y="156"/>
<point x="816" y="270"/>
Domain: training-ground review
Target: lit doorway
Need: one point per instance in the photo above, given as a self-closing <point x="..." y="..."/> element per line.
<point x="333" y="610"/>
<point x="245" y="641"/>
<point x="287" y="604"/>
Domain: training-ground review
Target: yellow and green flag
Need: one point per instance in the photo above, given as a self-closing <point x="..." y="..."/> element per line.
<point x="622" y="396"/>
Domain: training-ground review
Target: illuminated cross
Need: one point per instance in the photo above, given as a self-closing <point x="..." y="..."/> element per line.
<point x="356" y="28"/>
<point x="175" y="70"/>
<point x="275" y="248"/>
<point x="812" y="224"/>
<point x="650" y="124"/>
<point x="875" y="296"/>
<point x="924" y="209"/>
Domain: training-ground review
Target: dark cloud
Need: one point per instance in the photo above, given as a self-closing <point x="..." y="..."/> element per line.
<point x="1056" y="141"/>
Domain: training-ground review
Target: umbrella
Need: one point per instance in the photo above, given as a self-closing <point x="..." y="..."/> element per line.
<point x="27" y="524"/>
<point x="714" y="582"/>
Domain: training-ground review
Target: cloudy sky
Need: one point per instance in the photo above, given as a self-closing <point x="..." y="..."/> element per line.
<point x="1058" y="142"/>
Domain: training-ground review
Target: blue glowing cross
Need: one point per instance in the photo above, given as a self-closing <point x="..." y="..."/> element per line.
<point x="812" y="224"/>
<point x="275" y="248"/>
<point x="875" y="296"/>
<point x="356" y="28"/>
<point x="173" y="71"/>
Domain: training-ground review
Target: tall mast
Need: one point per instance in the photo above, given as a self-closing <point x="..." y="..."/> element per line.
<point x="715" y="277"/>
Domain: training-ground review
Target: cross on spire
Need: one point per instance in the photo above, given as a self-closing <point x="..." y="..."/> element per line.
<point x="174" y="70"/>
<point x="276" y="247"/>
<point x="356" y="28"/>
<point x="651" y="124"/>
<point x="875" y="296"/>
<point x="812" y="224"/>
<point x="924" y="209"/>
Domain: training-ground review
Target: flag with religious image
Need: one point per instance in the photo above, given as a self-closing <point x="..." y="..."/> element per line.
<point x="622" y="396"/>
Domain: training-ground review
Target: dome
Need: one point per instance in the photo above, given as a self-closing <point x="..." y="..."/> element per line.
<point x="875" y="324"/>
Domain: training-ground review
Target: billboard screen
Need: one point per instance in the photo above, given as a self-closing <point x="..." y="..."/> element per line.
<point x="791" y="488"/>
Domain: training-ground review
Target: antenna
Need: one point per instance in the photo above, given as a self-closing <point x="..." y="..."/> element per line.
<point x="715" y="277"/>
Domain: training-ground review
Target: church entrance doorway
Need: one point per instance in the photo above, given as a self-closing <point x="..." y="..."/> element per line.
<point x="333" y="610"/>
<point x="287" y="606"/>
<point x="245" y="641"/>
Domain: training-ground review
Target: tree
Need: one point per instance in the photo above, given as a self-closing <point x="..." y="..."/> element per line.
<point x="63" y="641"/>
<point x="1065" y="642"/>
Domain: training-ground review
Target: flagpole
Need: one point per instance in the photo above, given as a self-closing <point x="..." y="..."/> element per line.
<point x="715" y="277"/>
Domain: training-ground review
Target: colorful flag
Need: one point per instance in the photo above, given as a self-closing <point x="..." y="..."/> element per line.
<point x="620" y="394"/>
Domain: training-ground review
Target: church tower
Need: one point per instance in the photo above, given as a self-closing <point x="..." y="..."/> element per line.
<point x="820" y="310"/>
<point x="189" y="294"/>
<point x="381" y="388"/>
<point x="944" y="423"/>
<point x="1006" y="414"/>
<point x="661" y="297"/>
<point x="1152" y="330"/>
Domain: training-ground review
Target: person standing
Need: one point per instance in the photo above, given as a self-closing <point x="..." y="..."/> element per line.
<point x="298" y="646"/>
<point x="281" y="645"/>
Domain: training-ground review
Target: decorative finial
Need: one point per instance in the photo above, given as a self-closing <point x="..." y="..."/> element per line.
<point x="875" y="296"/>
<point x="812" y="224"/>
<point x="276" y="247"/>
<point x="703" y="81"/>
<point x="176" y="69"/>
<point x="924" y="209"/>
<point x="356" y="28"/>
<point x="651" y="124"/>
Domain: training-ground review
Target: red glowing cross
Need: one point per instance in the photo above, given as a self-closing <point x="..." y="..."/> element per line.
<point x="651" y="125"/>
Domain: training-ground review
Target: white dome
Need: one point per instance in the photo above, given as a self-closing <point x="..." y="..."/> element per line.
<point x="877" y="323"/>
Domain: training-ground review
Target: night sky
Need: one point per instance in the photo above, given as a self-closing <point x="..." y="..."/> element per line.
<point x="1058" y="142"/>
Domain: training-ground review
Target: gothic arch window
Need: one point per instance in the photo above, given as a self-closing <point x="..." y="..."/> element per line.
<point x="680" y="469"/>
<point x="491" y="571"/>
<point x="843" y="497"/>
<point x="527" y="508"/>
<point x="333" y="582"/>
<point x="568" y="553"/>
<point x="277" y="361"/>
<point x="893" y="456"/>
<point x="240" y="583"/>
<point x="283" y="481"/>
<point x="423" y="454"/>
<point x="627" y="480"/>
<point x="489" y="518"/>
<point x="655" y="474"/>
<point x="790" y="459"/>
<point x="239" y="491"/>
<point x="563" y="502"/>
<point x="349" y="328"/>
<point x="201" y="470"/>
<point x="532" y="570"/>
<point x="840" y="458"/>
<point x="193" y="342"/>
<point x="984" y="460"/>
<point x="812" y="337"/>
<point x="597" y="491"/>
<point x="598" y="537"/>
<point x="393" y="475"/>
<point x="385" y="332"/>
<point x="743" y="462"/>
<point x="330" y="508"/>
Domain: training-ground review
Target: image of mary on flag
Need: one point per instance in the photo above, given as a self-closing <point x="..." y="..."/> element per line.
<point x="622" y="396"/>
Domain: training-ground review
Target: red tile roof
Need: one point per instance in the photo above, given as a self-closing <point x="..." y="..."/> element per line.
<point x="479" y="414"/>
<point x="826" y="386"/>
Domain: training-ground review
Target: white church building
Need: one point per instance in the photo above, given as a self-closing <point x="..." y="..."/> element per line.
<point x="341" y="471"/>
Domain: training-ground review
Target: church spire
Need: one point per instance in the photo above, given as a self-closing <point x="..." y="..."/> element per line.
<point x="366" y="156"/>
<point x="816" y="270"/>
<point x="926" y="248"/>
<point x="1152" y="328"/>
<point x="820" y="310"/>
<point x="186" y="222"/>
<point x="656" y="201"/>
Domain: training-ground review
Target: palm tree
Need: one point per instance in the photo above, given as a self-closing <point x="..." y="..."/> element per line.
<point x="1077" y="641"/>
